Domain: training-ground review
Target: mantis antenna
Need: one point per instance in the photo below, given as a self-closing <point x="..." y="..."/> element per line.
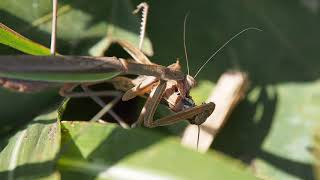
<point x="184" y="42"/>
<point x="226" y="43"/>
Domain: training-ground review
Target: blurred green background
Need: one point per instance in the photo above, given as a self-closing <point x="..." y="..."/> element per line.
<point x="271" y="131"/>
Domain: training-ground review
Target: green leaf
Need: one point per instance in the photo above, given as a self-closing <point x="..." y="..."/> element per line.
<point x="13" y="39"/>
<point x="61" y="77"/>
<point x="18" y="108"/>
<point x="282" y="119"/>
<point x="80" y="25"/>
<point x="105" y="151"/>
<point x="31" y="151"/>
<point x="58" y="69"/>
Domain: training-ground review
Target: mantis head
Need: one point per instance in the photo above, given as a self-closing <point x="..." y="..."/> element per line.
<point x="178" y="97"/>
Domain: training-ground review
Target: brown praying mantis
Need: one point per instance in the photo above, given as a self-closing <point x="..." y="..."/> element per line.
<point x="31" y="73"/>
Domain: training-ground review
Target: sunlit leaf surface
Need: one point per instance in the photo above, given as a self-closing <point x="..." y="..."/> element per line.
<point x="31" y="151"/>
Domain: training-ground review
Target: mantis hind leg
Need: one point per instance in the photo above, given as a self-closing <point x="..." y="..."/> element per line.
<point x="66" y="91"/>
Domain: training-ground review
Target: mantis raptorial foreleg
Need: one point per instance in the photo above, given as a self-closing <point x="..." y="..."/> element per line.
<point x="143" y="87"/>
<point x="201" y="113"/>
<point x="149" y="109"/>
<point x="151" y="104"/>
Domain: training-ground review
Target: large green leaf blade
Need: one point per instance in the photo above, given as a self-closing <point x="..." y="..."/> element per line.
<point x="105" y="151"/>
<point x="61" y="77"/>
<point x="15" y="40"/>
<point x="281" y="149"/>
<point x="30" y="153"/>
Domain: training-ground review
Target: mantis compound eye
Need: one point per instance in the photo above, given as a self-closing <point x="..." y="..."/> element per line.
<point x="191" y="81"/>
